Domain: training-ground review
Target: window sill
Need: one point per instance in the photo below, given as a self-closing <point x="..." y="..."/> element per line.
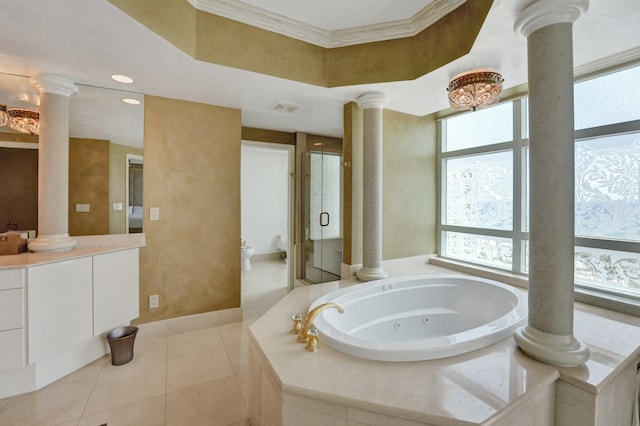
<point x="583" y="295"/>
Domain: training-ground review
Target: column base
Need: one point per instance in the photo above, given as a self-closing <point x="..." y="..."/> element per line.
<point x="561" y="351"/>
<point x="45" y="243"/>
<point x="371" y="274"/>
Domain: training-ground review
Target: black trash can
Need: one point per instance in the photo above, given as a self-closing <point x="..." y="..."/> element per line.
<point x="121" y="343"/>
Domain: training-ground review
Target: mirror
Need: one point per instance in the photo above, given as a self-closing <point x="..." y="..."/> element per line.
<point x="104" y="131"/>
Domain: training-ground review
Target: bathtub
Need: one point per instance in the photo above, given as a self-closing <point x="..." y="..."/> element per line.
<point x="420" y="317"/>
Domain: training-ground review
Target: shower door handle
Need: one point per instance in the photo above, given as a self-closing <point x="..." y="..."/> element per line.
<point x="325" y="215"/>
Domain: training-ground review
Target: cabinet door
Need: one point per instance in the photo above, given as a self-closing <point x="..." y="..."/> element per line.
<point x="11" y="349"/>
<point x="59" y="307"/>
<point x="11" y="309"/>
<point x="115" y="289"/>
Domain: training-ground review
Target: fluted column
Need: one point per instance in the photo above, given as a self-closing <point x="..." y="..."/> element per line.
<point x="548" y="26"/>
<point x="53" y="164"/>
<point x="372" y="105"/>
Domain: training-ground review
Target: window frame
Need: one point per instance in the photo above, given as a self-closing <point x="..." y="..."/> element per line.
<point x="607" y="298"/>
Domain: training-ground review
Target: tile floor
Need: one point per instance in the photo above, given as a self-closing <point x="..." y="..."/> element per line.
<point x="195" y="378"/>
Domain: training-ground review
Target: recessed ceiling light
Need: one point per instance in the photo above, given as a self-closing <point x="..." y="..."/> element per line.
<point x="122" y="78"/>
<point x="131" y="101"/>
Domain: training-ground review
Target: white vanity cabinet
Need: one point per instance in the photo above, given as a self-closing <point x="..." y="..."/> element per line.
<point x="59" y="306"/>
<point x="55" y="309"/>
<point x="115" y="289"/>
<point x="12" y="344"/>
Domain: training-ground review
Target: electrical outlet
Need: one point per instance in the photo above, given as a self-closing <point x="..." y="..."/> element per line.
<point x="83" y="208"/>
<point x="154" y="301"/>
<point x="154" y="213"/>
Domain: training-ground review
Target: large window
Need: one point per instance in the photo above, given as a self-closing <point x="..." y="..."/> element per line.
<point x="484" y="204"/>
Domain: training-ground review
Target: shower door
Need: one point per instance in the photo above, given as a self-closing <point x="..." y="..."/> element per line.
<point x="323" y="214"/>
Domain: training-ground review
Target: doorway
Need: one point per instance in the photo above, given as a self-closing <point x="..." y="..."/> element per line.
<point x="267" y="210"/>
<point x="134" y="195"/>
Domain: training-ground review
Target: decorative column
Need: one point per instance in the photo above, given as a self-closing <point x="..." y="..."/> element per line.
<point x="548" y="26"/>
<point x="53" y="164"/>
<point x="372" y="104"/>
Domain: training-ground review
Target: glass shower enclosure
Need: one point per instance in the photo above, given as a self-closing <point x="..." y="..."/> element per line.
<point x="323" y="213"/>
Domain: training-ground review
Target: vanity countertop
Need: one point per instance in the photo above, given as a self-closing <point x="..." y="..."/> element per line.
<point x="87" y="246"/>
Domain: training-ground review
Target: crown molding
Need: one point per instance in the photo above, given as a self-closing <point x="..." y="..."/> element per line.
<point x="612" y="62"/>
<point x="243" y="12"/>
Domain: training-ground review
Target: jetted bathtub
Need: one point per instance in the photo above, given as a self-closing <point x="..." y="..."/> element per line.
<point x="420" y="317"/>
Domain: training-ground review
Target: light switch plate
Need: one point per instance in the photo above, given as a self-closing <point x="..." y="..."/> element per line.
<point x="83" y="208"/>
<point x="154" y="213"/>
<point x="117" y="206"/>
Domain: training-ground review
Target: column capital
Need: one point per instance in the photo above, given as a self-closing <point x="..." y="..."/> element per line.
<point x="542" y="13"/>
<point x="51" y="83"/>
<point x="372" y="100"/>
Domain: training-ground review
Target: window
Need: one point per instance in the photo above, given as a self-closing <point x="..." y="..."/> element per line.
<point x="483" y="160"/>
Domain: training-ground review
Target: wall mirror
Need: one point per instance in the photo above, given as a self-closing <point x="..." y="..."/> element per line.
<point x="105" y="161"/>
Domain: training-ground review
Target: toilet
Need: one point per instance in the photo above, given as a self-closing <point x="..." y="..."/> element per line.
<point x="245" y="257"/>
<point x="282" y="244"/>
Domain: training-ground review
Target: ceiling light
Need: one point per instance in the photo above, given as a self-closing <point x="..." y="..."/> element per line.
<point x="20" y="119"/>
<point x="131" y="101"/>
<point x="475" y="89"/>
<point x="122" y="78"/>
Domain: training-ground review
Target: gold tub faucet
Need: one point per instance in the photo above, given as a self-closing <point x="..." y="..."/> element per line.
<point x="307" y="323"/>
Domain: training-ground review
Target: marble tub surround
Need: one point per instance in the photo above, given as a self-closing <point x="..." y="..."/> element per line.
<point x="330" y="386"/>
<point x="497" y="385"/>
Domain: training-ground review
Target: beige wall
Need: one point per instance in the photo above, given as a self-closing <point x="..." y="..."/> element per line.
<point x="89" y="184"/>
<point x="409" y="185"/>
<point x="19" y="193"/>
<point x="117" y="178"/>
<point x="215" y="39"/>
<point x="192" y="174"/>
<point x="352" y="222"/>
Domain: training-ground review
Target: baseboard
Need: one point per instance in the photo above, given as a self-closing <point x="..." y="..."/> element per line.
<point x="188" y="323"/>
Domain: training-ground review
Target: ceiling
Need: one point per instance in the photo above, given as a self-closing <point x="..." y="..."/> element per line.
<point x="89" y="40"/>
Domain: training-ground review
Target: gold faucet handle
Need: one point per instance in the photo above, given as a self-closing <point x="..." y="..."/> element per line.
<point x="297" y="324"/>
<point x="312" y="340"/>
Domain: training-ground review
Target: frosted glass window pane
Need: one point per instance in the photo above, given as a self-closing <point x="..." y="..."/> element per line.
<point x="613" y="270"/>
<point x="493" y="251"/>
<point x="479" y="191"/>
<point x="480" y="128"/>
<point x="325" y="196"/>
<point x="607" y="200"/>
<point x="612" y="98"/>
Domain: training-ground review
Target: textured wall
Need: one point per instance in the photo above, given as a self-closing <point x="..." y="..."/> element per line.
<point x="89" y="184"/>
<point x="352" y="192"/>
<point x="192" y="174"/>
<point x="409" y="185"/>
<point x="212" y="38"/>
<point x="19" y="194"/>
